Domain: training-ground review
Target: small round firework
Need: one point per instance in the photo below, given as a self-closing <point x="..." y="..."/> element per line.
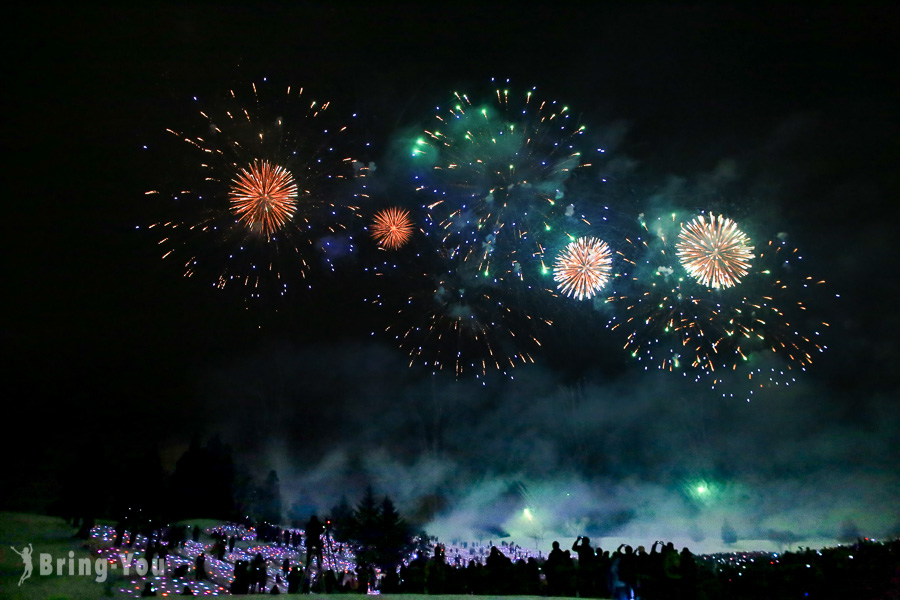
<point x="392" y="228"/>
<point x="715" y="253"/>
<point x="264" y="196"/>
<point x="583" y="268"/>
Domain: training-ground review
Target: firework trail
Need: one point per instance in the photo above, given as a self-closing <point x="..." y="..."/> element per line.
<point x="268" y="184"/>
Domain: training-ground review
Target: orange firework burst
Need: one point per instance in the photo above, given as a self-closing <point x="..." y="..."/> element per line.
<point x="583" y="267"/>
<point x="715" y="253"/>
<point x="264" y="196"/>
<point x="392" y="228"/>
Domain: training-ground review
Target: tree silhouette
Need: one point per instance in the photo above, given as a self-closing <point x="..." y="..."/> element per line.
<point x="342" y="521"/>
<point x="376" y="529"/>
<point x="366" y="534"/>
<point x="394" y="536"/>
<point x="203" y="481"/>
<point x="268" y="500"/>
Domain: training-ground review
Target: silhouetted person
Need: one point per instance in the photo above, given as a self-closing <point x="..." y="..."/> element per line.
<point x="413" y="576"/>
<point x="389" y="585"/>
<point x="655" y="576"/>
<point x="314" y="531"/>
<point x="688" y="574"/>
<point x="294" y="579"/>
<point x="187" y="591"/>
<point x="567" y="574"/>
<point x="436" y="573"/>
<point x="120" y="531"/>
<point x="642" y="585"/>
<point x="84" y="532"/>
<point x="148" y="590"/>
<point x="627" y="569"/>
<point x="258" y="574"/>
<point x="551" y="569"/>
<point x="220" y="549"/>
<point x="498" y="572"/>
<point x="305" y="585"/>
<point x="200" y="567"/>
<point x="585" y="565"/>
<point x="672" y="571"/>
<point x="241" y="583"/>
<point x="231" y="541"/>
<point x="617" y="587"/>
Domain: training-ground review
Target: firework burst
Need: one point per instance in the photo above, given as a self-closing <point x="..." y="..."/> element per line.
<point x="264" y="196"/>
<point x="677" y="323"/>
<point x="715" y="252"/>
<point x="392" y="228"/>
<point x="776" y="320"/>
<point x="583" y="268"/>
<point x="461" y="322"/>
<point x="496" y="174"/>
<point x="673" y="322"/>
<point x="267" y="193"/>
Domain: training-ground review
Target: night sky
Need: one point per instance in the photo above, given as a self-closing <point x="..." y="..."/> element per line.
<point x="785" y="116"/>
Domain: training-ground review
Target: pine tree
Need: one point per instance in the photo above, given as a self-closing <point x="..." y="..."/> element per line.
<point x="342" y="521"/>
<point x="394" y="536"/>
<point x="220" y="479"/>
<point x="203" y="481"/>
<point x="366" y="534"/>
<point x="268" y="507"/>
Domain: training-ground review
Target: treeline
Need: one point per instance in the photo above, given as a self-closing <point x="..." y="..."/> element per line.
<point x="381" y="538"/>
<point x="206" y="483"/>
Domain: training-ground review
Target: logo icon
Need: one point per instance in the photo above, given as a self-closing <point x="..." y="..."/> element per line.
<point x="26" y="558"/>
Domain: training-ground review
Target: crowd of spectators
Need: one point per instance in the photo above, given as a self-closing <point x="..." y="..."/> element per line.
<point x="865" y="570"/>
<point x="268" y="559"/>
